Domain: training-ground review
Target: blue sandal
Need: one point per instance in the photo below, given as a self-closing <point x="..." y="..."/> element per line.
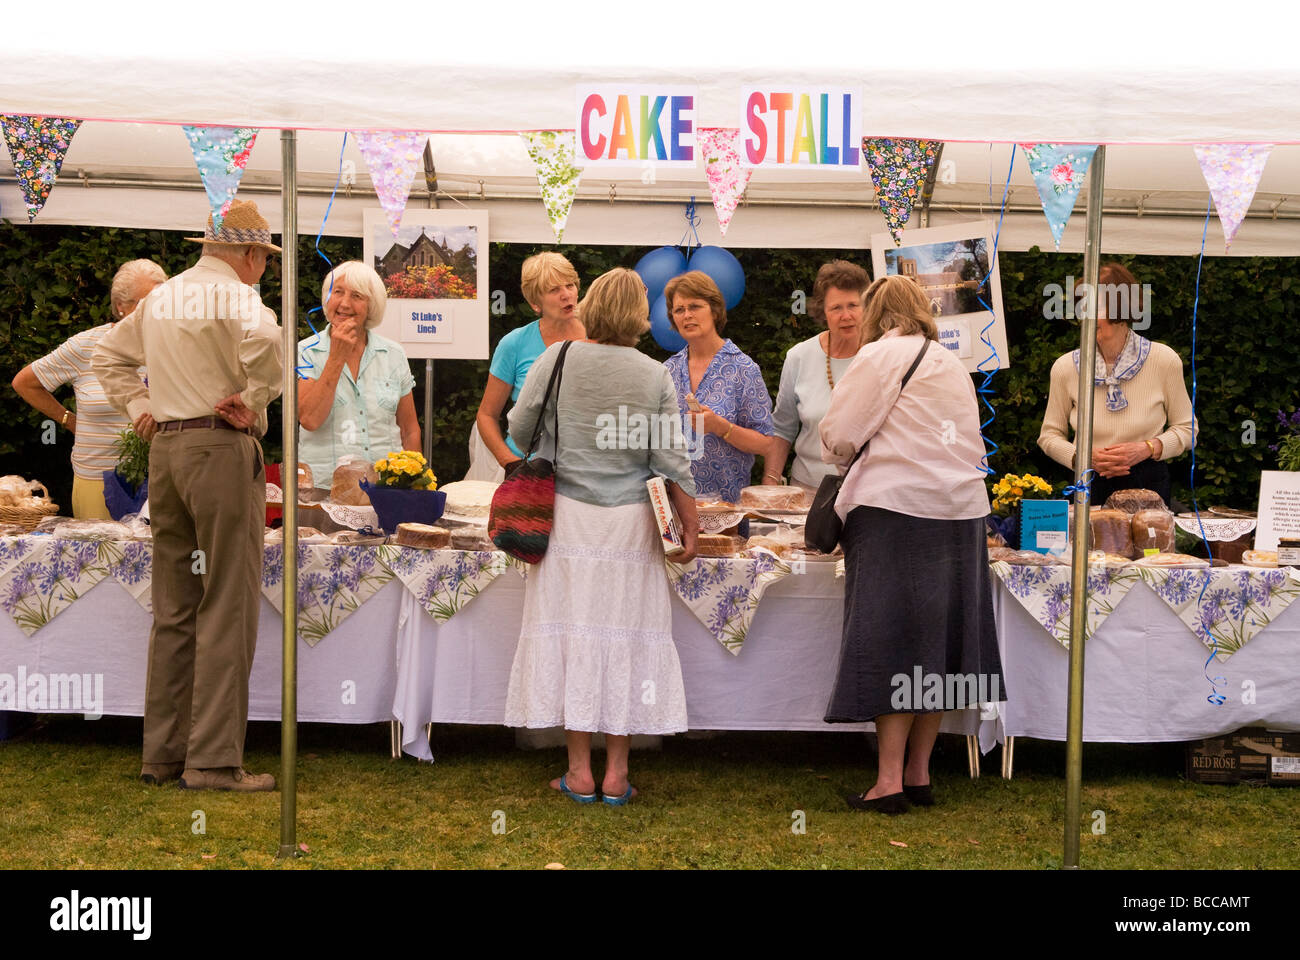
<point x="576" y="797"/>
<point x="619" y="801"/>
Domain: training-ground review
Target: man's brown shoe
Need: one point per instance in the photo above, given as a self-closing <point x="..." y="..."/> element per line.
<point x="160" y="773"/>
<point x="226" y="778"/>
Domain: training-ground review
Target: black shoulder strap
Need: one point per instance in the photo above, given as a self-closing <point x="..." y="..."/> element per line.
<point x="906" y="377"/>
<point x="551" y="385"/>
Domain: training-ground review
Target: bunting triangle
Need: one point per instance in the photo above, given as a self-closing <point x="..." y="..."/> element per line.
<point x="221" y="154"/>
<point x="1232" y="171"/>
<point x="393" y="157"/>
<point x="898" y="169"/>
<point x="1058" y="170"/>
<point x="552" y="154"/>
<point x="727" y="177"/>
<point x="37" y="146"/>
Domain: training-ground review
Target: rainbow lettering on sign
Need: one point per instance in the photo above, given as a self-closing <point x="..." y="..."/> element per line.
<point x="633" y="126"/>
<point x="800" y="128"/>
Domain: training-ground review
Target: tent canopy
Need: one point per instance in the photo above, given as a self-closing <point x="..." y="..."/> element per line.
<point x="977" y="78"/>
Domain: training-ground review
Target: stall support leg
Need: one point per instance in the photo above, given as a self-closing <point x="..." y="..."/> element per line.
<point x="395" y="739"/>
<point x="973" y="756"/>
<point x="1008" y="756"/>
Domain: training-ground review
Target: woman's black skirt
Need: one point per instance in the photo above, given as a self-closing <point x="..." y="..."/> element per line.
<point x="919" y="634"/>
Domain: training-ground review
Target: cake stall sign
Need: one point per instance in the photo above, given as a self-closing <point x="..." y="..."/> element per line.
<point x="1279" y="508"/>
<point x="817" y="128"/>
<point x="435" y="273"/>
<point x="635" y="126"/>
<point x="951" y="264"/>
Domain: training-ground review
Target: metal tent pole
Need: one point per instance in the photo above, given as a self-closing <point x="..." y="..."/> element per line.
<point x="1079" y="555"/>
<point x="289" y="481"/>
<point x="430" y="181"/>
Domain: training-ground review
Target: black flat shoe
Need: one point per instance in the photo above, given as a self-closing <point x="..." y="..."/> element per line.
<point x="893" y="803"/>
<point x="922" y="796"/>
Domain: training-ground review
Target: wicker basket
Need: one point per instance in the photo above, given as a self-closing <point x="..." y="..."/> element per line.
<point x="29" y="517"/>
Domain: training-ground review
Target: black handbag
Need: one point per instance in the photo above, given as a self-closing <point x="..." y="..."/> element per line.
<point x="823" y="528"/>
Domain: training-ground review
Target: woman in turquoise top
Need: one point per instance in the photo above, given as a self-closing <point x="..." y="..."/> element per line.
<point x="354" y="396"/>
<point x="550" y="285"/>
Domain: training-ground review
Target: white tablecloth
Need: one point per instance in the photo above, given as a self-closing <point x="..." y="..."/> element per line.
<point x="1144" y="676"/>
<point x="458" y="671"/>
<point x="107" y="632"/>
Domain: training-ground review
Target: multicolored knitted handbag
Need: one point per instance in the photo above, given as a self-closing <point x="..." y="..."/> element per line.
<point x="523" y="507"/>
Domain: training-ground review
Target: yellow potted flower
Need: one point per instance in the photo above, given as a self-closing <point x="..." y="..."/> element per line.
<point x="407" y="491"/>
<point x="1007" y="494"/>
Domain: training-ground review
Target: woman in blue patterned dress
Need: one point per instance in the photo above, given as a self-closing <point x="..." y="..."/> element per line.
<point x="720" y="391"/>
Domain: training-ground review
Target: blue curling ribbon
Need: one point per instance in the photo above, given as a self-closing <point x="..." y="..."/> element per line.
<point x="692" y="221"/>
<point x="1216" y="697"/>
<point x="1084" y="485"/>
<point x="315" y="337"/>
<point x="990" y="364"/>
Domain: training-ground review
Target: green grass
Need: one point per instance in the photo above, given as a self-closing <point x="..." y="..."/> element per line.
<point x="69" y="797"/>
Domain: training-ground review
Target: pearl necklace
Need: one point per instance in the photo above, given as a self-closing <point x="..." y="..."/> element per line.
<point x="829" y="379"/>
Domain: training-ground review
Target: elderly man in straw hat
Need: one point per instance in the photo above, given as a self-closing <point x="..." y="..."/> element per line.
<point x="214" y="358"/>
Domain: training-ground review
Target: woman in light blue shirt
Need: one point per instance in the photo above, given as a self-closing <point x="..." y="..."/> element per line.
<point x="354" y="396"/>
<point x="550" y="285"/>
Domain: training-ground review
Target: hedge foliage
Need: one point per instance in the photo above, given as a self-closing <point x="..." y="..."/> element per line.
<point x="56" y="280"/>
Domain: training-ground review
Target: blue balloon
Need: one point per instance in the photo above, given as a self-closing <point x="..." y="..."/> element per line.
<point x="724" y="269"/>
<point x="658" y="267"/>
<point x="663" y="331"/>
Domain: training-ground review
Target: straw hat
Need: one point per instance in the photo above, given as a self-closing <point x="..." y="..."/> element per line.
<point x="241" y="225"/>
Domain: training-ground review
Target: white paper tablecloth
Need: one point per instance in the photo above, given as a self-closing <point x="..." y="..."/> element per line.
<point x="107" y="632"/>
<point x="1144" y="675"/>
<point x="458" y="671"/>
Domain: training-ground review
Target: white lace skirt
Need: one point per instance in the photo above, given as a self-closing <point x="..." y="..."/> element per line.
<point x="596" y="650"/>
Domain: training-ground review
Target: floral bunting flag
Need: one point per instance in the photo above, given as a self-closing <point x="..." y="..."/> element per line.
<point x="1232" y="171"/>
<point x="727" y="178"/>
<point x="1058" y="170"/>
<point x="552" y="153"/>
<point x="221" y="154"/>
<point x="393" y="157"/>
<point x="898" y="169"/>
<point x="37" y="146"/>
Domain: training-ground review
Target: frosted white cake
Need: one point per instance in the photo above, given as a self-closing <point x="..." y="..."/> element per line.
<point x="469" y="498"/>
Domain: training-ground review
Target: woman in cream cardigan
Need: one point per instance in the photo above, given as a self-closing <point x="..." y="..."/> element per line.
<point x="1142" y="415"/>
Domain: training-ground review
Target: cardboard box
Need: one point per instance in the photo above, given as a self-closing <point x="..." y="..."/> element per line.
<point x="670" y="528"/>
<point x="1249" y="755"/>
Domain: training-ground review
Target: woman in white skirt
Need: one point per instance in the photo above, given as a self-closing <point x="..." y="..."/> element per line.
<point x="596" y="650"/>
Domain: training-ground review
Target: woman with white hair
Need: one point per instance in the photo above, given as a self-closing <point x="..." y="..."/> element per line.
<point x="95" y="424"/>
<point x="355" y="391"/>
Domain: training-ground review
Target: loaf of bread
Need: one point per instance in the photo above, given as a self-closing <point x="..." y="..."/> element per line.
<point x="1100" y="558"/>
<point x="1112" y="531"/>
<point x="718" y="545"/>
<point x="1172" y="560"/>
<point x="348" y="475"/>
<point x="772" y="497"/>
<point x="304" y="476"/>
<point x="423" y="536"/>
<point x="471" y="538"/>
<point x="1024" y="558"/>
<point x="1153" y="529"/>
<point x="304" y="533"/>
<point x="1131" y="501"/>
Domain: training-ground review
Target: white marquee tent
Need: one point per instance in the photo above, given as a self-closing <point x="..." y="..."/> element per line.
<point x="1129" y="78"/>
<point x="1147" y="81"/>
